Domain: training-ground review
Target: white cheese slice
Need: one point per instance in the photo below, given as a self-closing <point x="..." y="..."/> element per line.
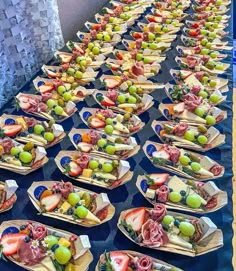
<point x="123" y="168"/>
<point x="70" y="106"/>
<point x="82" y="244"/>
<point x="211" y="188"/>
<point x="57" y="129"/>
<point x="187" y="115"/>
<point x="205" y="173"/>
<point x="213" y="134"/>
<point x="40" y="153"/>
<point x="175" y="239"/>
<point x="193" y="81"/>
<point x="123" y="147"/>
<point x="132" y="141"/>
<point x="45" y="265"/>
<point x="207" y="227"/>
<point x="102" y="201"/>
<point x="216" y="112"/>
<point x="206" y="162"/>
<point x="10" y="188"/>
<point x="150" y="193"/>
<point x="124" y="86"/>
<point x="90" y="216"/>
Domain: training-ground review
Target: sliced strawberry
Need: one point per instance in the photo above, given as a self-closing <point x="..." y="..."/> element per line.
<point x="137" y="35"/>
<point x="51" y="202"/>
<point x="112" y="83"/>
<point x="84" y="147"/>
<point x="97" y="123"/>
<point x="114" y="67"/>
<point x="151" y="19"/>
<point x="161" y="154"/>
<point x="46" y="88"/>
<point x="179" y="108"/>
<point x="12" y="129"/>
<point x="185" y="74"/>
<point x="65" y="58"/>
<point x="51" y="74"/>
<point x="136" y="218"/>
<point x="75" y="169"/>
<point x="107" y="101"/>
<point x="119" y="56"/>
<point x="119" y="261"/>
<point x="159" y="179"/>
<point x="96" y="27"/>
<point x="11" y="243"/>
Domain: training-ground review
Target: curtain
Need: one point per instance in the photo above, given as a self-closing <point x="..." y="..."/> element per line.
<point x="30" y="32"/>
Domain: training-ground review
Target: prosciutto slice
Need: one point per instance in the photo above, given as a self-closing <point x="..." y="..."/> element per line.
<point x="95" y="136"/>
<point x="39" y="232"/>
<point x="173" y="152"/>
<point x="192" y="101"/>
<point x="158" y="212"/>
<point x="181" y="129"/>
<point x="163" y="193"/>
<point x="216" y="170"/>
<point x="144" y="263"/>
<point x="83" y="161"/>
<point x="66" y="189"/>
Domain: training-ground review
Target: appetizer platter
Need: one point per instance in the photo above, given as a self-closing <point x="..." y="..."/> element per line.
<point x="99" y="143"/>
<point x="185" y="163"/>
<point x="58" y="89"/>
<point x="211" y="35"/>
<point x="178" y="93"/>
<point x="63" y="201"/>
<point x="20" y="158"/>
<point x="109" y="27"/>
<point x="35" y="246"/>
<point x="173" y="6"/>
<point x="199" y="138"/>
<point x="66" y="73"/>
<point x="202" y="79"/>
<point x="92" y="169"/>
<point x="181" y="194"/>
<point x="159" y="15"/>
<point x="51" y="109"/>
<point x="8" y="195"/>
<point x="217" y="9"/>
<point x="210" y="17"/>
<point x="170" y="231"/>
<point x="123" y="103"/>
<point x="25" y="129"/>
<point x="211" y="25"/>
<point x="110" y="122"/>
<point x="124" y="259"/>
<point x="193" y="111"/>
<point x="153" y="30"/>
<point x="140" y="85"/>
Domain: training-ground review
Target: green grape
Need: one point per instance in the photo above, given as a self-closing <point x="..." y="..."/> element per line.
<point x="208" y="8"/>
<point x="175" y="197"/>
<point x="205" y="79"/>
<point x="139" y="57"/>
<point x="146" y="60"/>
<point x="195" y="166"/>
<point x="210" y="18"/>
<point x="218" y="2"/>
<point x="132" y="100"/>
<point x="168" y="21"/>
<point x="165" y="29"/>
<point x="25" y="157"/>
<point x="14" y="151"/>
<point x="99" y="36"/>
<point x="144" y="45"/>
<point x="187" y="229"/>
<point x="204" y="42"/>
<point x="110" y="149"/>
<point x="109" y="121"/>
<point x="212" y="83"/>
<point x="51" y="241"/>
<point x="109" y="129"/>
<point x="93" y="164"/>
<point x="111" y="20"/>
<point x="81" y="211"/>
<point x="213" y="55"/>
<point x="61" y="89"/>
<point x="107" y="38"/>
<point x="117" y="28"/>
<point x="219" y="67"/>
<point x="58" y="110"/>
<point x="207" y="24"/>
<point x="74" y="85"/>
<point x="49" y="136"/>
<point x="204" y="51"/>
<point x="83" y="63"/>
<point x="129" y="83"/>
<point x="62" y="255"/>
<point x="202" y="139"/>
<point x="208" y="45"/>
<point x="107" y="167"/>
<point x="51" y="103"/>
<point x="151" y="36"/>
<point x="212" y="35"/>
<point x="199" y="111"/>
<point x="67" y="96"/>
<point x="184" y="160"/>
<point x="214" y="98"/>
<point x="158" y="39"/>
<point x="153" y="46"/>
<point x="96" y="50"/>
<point x="194" y="201"/>
<point x="78" y="59"/>
<point x="121" y="99"/>
<point x="189" y="135"/>
<point x="215" y="25"/>
<point x="38" y="129"/>
<point x="70" y="71"/>
<point x="78" y="75"/>
<point x="123" y="16"/>
<point x="73" y="199"/>
<point x="218" y="18"/>
<point x="132" y="89"/>
<point x="90" y="46"/>
<point x="168" y="219"/>
<point x="102" y="142"/>
<point x="203" y="94"/>
<point x="174" y="14"/>
<point x="210" y="120"/>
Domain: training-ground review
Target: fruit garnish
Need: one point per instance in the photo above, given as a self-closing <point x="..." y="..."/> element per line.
<point x="136" y="218"/>
<point x="11" y="243"/>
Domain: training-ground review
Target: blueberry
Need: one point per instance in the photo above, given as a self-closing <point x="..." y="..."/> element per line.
<point x="54" y="247"/>
<point x="93" y="176"/>
<point x="165" y="227"/>
<point x="70" y="211"/>
<point x="127" y="99"/>
<point x="54" y="106"/>
<point x="171" y="190"/>
<point x="100" y="166"/>
<point x="30" y="130"/>
<point x="176" y="223"/>
<point x="104" y="136"/>
<point x="77" y="205"/>
<point x="183" y="200"/>
<point x="114" y="122"/>
<point x="182" y="193"/>
<point x="31" y="235"/>
<point x="58" y="191"/>
<point x="100" y="149"/>
<point x="42" y="133"/>
<point x="23" y="134"/>
<point x="27" y="239"/>
<point x="22" y="227"/>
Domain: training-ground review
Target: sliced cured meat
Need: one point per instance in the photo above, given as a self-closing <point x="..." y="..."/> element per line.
<point x="158" y="212"/>
<point x="163" y="194"/>
<point x="212" y="203"/>
<point x="83" y="161"/>
<point x="31" y="122"/>
<point x="181" y="129"/>
<point x="95" y="136"/>
<point x="66" y="189"/>
<point x="173" y="152"/>
<point x="7" y="144"/>
<point x="192" y="101"/>
<point x="144" y="263"/>
<point x="102" y="214"/>
<point x="39" y="232"/>
<point x="138" y="69"/>
<point x="216" y="170"/>
<point x="112" y="94"/>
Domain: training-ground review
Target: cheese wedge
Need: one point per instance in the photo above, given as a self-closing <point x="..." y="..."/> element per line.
<point x="187" y="115"/>
<point x="175" y="239"/>
<point x="90" y="216"/>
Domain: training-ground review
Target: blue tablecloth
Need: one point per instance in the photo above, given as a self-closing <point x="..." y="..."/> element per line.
<point x="107" y="236"/>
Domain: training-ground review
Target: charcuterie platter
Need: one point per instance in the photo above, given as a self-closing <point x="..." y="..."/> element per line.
<point x="63" y="201"/>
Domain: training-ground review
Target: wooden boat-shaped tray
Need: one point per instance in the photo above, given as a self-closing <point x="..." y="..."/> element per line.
<point x="172" y="30"/>
<point x="159" y="14"/>
<point x="36" y="190"/>
<point x="116" y="38"/>
<point x="63" y="159"/>
<point x="7" y="204"/>
<point x="118" y="21"/>
<point x="206" y="163"/>
<point x="85" y="256"/>
<point x="221" y="196"/>
<point x="208" y="244"/>
<point x="215" y="139"/>
<point x="123" y="27"/>
<point x="76" y="135"/>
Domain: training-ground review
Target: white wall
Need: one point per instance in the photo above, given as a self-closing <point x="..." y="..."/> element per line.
<point x="74" y="13"/>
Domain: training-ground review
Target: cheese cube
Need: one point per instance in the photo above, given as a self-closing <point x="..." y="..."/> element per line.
<point x="70" y="106"/>
<point x="87" y="172"/>
<point x="102" y="201"/>
<point x="64" y="242"/>
<point x="57" y="130"/>
<point x="132" y="141"/>
<point x="40" y="153"/>
<point x="123" y="168"/>
<point x="207" y="227"/>
<point x="82" y="244"/>
<point x="150" y="193"/>
<point x="211" y="188"/>
<point x="10" y="188"/>
<point x="65" y="207"/>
